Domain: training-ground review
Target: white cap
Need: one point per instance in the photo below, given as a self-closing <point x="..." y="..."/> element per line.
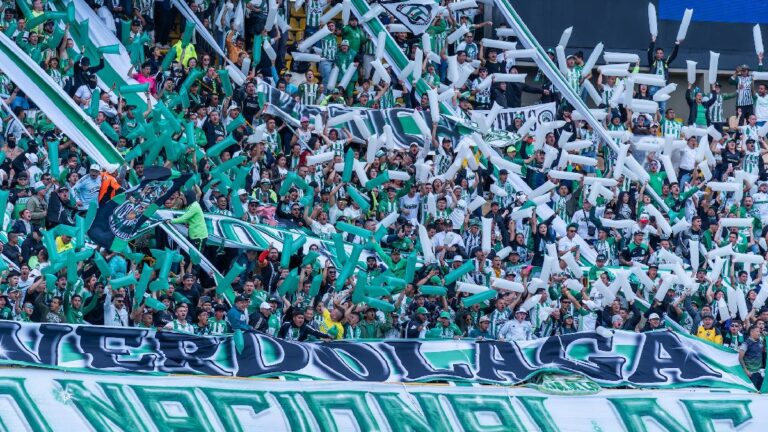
<point x="111" y="168"/>
<point x="521" y="311"/>
<point x="653" y="316"/>
<point x="95" y="167"/>
<point x="32" y="158"/>
<point x="241" y="192"/>
<point x="265" y="305"/>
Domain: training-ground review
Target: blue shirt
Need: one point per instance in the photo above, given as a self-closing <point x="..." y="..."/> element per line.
<point x="238" y="320"/>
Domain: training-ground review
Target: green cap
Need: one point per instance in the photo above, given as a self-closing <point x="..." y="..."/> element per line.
<point x="445" y="314"/>
<point x="422" y="310"/>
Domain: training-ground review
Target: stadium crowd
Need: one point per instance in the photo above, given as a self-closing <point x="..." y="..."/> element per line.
<point x="44" y="193"/>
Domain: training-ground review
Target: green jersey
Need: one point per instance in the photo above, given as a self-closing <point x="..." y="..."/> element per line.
<point x="329" y="48"/>
<point x="315" y="9"/>
<point x="308" y="93"/>
<point x="671" y="128"/>
<point x="355" y="36"/>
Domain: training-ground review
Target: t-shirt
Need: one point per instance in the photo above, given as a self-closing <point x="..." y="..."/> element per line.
<point x="753" y="354"/>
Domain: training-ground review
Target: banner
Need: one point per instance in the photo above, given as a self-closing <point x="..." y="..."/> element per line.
<point x="122" y="218"/>
<point x="417" y="15"/>
<point x="405" y="130"/>
<point x="45" y="400"/>
<point x="542" y="112"/>
<point x="661" y="360"/>
<point x="57" y="105"/>
<point x="235" y="233"/>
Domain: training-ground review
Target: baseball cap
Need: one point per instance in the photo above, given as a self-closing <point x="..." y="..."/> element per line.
<point x="484" y="318"/>
<point x="240" y="298"/>
<point x="521" y="311"/>
<point x="422" y="310"/>
<point x="707" y="315"/>
<point x="345" y="42"/>
<point x="265" y="305"/>
<point x="601" y="257"/>
<point x="617" y="318"/>
<point x="653" y="316"/>
<point x="95" y="167"/>
<point x="445" y="314"/>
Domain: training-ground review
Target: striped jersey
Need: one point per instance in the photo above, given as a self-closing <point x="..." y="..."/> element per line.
<point x="716" y="109"/>
<point x="482" y="97"/>
<point x="315" y="10"/>
<point x="671" y="128"/>
<point x="752" y="161"/>
<point x="329" y="47"/>
<point x="337" y="147"/>
<point x="387" y="99"/>
<point x="308" y="93"/>
<point x="744" y="90"/>
<point x="608" y="94"/>
<point x="573" y="78"/>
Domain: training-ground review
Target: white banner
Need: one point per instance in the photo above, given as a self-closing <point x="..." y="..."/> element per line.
<point x="542" y="112"/>
<point x="35" y="399"/>
<point x="416" y="15"/>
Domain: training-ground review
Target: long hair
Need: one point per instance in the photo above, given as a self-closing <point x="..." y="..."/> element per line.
<point x="631" y="203"/>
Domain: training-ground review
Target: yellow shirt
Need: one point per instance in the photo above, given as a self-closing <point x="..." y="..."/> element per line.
<point x="710" y="335"/>
<point x="328" y="324"/>
<point x="188" y="52"/>
<point x="61" y="246"/>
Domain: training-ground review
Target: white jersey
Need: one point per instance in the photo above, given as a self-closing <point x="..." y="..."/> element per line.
<point x="515" y="330"/>
<point x="761" y="107"/>
<point x="412" y="205"/>
<point x="458" y="214"/>
<point x="761" y="204"/>
<point x="323" y="230"/>
<point x="180" y="327"/>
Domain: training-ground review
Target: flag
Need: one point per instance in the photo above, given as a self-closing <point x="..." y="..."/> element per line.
<point x="122" y="218"/>
<point x="417" y="15"/>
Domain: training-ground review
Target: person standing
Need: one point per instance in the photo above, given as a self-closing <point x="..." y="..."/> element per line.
<point x="742" y="79"/>
<point x="659" y="65"/>
<point x="751" y="356"/>
<point x="194" y="218"/>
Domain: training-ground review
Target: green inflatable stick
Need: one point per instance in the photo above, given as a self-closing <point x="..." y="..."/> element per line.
<point x="377" y="181"/>
<point x="381" y="305"/>
<point x="314" y="288"/>
<point x="349" y="159"/>
<point x="109" y="49"/>
<point x="429" y="290"/>
<point x="290" y="284"/>
<point x="168" y="59"/>
<point x="236" y="123"/>
<point x="285" y="256"/>
<point x="361" y="200"/>
<point x="226" y="82"/>
<point x="123" y="281"/>
<point x="189" y="30"/>
<point x="454" y="275"/>
<point x="479" y="298"/>
<point x="133" y="88"/>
